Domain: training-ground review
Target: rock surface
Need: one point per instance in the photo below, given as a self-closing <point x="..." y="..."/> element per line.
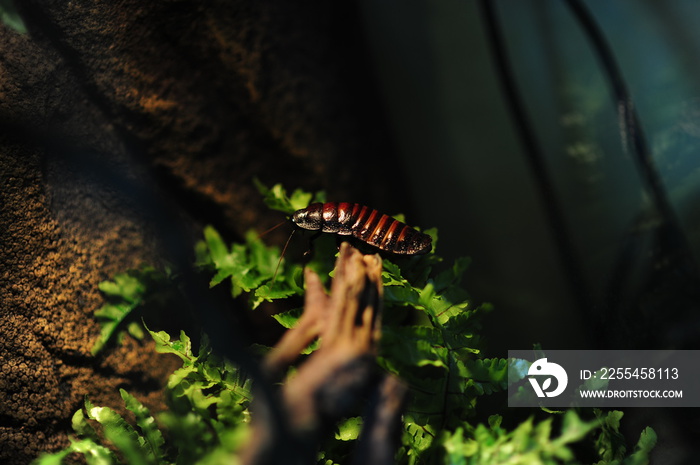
<point x="113" y="112"/>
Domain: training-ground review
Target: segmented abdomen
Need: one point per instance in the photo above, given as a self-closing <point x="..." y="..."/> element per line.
<point x="365" y="224"/>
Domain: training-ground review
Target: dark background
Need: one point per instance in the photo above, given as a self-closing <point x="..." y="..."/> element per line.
<point x="621" y="282"/>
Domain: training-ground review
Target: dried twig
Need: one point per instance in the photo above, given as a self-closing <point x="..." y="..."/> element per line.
<point x="336" y="375"/>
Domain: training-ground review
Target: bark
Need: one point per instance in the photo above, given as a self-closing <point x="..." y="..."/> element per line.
<point x="337" y="375"/>
<point x="119" y="119"/>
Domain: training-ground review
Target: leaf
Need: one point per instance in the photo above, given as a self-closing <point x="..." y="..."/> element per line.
<point x="457" y="449"/>
<point x="610" y="443"/>
<point x="94" y="453"/>
<point x="289" y="318"/>
<point x="218" y="252"/>
<point x="251" y="267"/>
<point x="647" y="442"/>
<point x="349" y="429"/>
<point x="81" y="427"/>
<point x="135" y="330"/>
<point x="126" y="286"/>
<point x="227" y="263"/>
<point x="127" y="295"/>
<point x="574" y="428"/>
<point x="269" y="292"/>
<point x="112" y="317"/>
<point x="55" y="458"/>
<point x="147" y="425"/>
<point x="490" y="373"/>
<point x="10" y="17"/>
<point x="181" y="347"/>
<point x="276" y="197"/>
<point x="120" y="433"/>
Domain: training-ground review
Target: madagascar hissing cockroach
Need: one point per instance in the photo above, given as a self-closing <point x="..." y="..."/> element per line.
<point x="365" y="224"/>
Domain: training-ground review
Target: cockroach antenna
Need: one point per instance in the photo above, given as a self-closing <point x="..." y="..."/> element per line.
<point x="279" y="262"/>
<point x="271" y="229"/>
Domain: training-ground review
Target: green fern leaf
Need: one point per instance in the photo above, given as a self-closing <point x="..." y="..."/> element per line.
<point x="147" y="425"/>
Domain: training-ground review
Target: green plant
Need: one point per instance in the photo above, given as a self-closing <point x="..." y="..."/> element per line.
<point x="430" y="339"/>
<point x="207" y="416"/>
<point x="10" y="17"/>
<point x="129" y="297"/>
<point x="534" y="444"/>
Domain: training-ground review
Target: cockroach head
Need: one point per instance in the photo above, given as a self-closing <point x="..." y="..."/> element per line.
<point x="310" y="217"/>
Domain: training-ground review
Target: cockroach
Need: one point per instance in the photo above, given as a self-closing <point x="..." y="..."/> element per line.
<point x="365" y="224"/>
